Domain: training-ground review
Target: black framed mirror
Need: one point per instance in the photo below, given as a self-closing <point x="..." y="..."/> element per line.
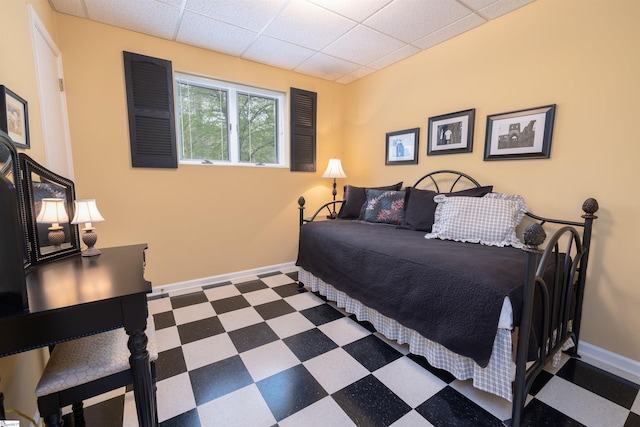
<point x="40" y="183"/>
<point x="14" y="257"/>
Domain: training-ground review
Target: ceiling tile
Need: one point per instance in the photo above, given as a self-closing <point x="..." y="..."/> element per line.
<point x="356" y="10"/>
<point x="362" y="45"/>
<point x="457" y="28"/>
<point x="250" y="14"/>
<point x="326" y="67"/>
<point x="308" y="25"/>
<point x="394" y="57"/>
<point x="70" y="7"/>
<point x="477" y="4"/>
<point x="501" y="7"/>
<point x="277" y="53"/>
<point x="145" y="16"/>
<point x="357" y="74"/>
<point x="208" y="33"/>
<point x="410" y="20"/>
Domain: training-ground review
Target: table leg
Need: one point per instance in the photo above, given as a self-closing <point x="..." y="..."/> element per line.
<point x="142" y="380"/>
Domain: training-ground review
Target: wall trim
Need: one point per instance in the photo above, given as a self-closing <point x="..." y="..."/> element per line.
<point x="610" y="361"/>
<point x="212" y="280"/>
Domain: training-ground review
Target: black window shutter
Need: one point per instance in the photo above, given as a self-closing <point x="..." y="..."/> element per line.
<point x="303" y="130"/>
<point x="152" y="129"/>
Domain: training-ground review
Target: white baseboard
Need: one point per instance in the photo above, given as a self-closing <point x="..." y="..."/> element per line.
<point x="180" y="286"/>
<point x="612" y="362"/>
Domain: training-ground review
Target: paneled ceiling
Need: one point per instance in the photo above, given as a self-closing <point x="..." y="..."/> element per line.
<point x="337" y="40"/>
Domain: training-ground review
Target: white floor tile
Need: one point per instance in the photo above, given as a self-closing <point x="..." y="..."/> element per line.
<point x="239" y="318"/>
<point x="221" y="292"/>
<point x="402" y="348"/>
<point x="325" y="412"/>
<point x="242" y="408"/>
<point x="262" y="296"/>
<point x="167" y="338"/>
<point x="497" y="406"/>
<point x="174" y="396"/>
<point x="303" y="301"/>
<point x="159" y="305"/>
<point x="344" y="331"/>
<point x="410" y="381"/>
<point x="581" y="404"/>
<point x="412" y="419"/>
<point x="245" y="279"/>
<point x="130" y="416"/>
<point x="208" y="350"/>
<point x="268" y="359"/>
<point x="193" y="312"/>
<point x="277" y="280"/>
<point x="185" y="291"/>
<point x="335" y="370"/>
<point x="636" y="405"/>
<point x="290" y="324"/>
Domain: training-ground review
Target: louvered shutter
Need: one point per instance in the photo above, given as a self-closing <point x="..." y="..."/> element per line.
<point x="152" y="133"/>
<point x="303" y="130"/>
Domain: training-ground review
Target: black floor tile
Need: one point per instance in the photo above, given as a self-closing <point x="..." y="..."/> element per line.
<point x="274" y="309"/>
<point x="226" y="305"/>
<point x="368" y="402"/>
<point x="633" y="420"/>
<point x="215" y="285"/>
<point x="251" y="286"/>
<point x="541" y="380"/>
<point x="164" y="320"/>
<point x="104" y="414"/>
<point x="204" y="328"/>
<point x="293" y="275"/>
<point x="372" y="352"/>
<point x="188" y="299"/>
<point x="186" y="419"/>
<point x="289" y="391"/>
<point x="252" y="336"/>
<point x="288" y="290"/>
<point x="603" y="383"/>
<point x="321" y="314"/>
<point x="450" y="408"/>
<point x="309" y="344"/>
<point x="170" y="363"/>
<point x="537" y="413"/>
<point x="217" y="379"/>
<point x="440" y="373"/>
<point x="271" y="274"/>
<point x="365" y="324"/>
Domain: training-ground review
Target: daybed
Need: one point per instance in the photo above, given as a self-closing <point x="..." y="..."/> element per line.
<point x="442" y="269"/>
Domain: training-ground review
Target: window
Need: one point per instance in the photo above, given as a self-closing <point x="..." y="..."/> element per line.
<point x="226" y="123"/>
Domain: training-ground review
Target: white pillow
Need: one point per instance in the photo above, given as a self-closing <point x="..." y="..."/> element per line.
<point x="490" y="220"/>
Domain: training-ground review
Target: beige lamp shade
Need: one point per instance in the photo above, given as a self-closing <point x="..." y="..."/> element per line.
<point x="334" y="170"/>
<point x="52" y="211"/>
<point x="86" y="212"/>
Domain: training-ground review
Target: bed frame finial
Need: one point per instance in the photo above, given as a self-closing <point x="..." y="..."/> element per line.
<point x="590" y="206"/>
<point x="534" y="235"/>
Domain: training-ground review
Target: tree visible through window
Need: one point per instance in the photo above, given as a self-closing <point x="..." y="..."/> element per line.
<point x="226" y="123"/>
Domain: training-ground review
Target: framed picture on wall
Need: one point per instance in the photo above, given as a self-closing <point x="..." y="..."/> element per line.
<point x="523" y="134"/>
<point x="402" y="147"/>
<point x="451" y="133"/>
<point x="14" y="117"/>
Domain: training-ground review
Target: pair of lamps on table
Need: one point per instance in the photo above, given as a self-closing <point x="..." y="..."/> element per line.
<point x="54" y="212"/>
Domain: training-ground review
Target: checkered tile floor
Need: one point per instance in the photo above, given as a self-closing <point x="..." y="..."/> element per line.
<point x="260" y="353"/>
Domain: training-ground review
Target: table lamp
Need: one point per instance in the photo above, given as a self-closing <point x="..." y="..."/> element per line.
<point x="334" y="170"/>
<point x="53" y="211"/>
<point x="86" y="213"/>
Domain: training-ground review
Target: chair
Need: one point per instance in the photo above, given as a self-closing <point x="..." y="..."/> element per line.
<point x="87" y="367"/>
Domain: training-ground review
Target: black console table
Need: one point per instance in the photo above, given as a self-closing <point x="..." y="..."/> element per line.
<point x="79" y="296"/>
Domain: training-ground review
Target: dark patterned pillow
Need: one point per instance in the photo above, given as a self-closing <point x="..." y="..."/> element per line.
<point x="354" y="198"/>
<point x="384" y="206"/>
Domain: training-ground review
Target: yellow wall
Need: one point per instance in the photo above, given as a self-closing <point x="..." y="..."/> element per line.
<point x="582" y="56"/>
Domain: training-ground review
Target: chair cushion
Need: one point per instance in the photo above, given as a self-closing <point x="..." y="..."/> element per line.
<point x="83" y="360"/>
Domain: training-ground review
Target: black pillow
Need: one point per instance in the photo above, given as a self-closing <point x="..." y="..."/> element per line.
<point x="420" y="209"/>
<point x="354" y="198"/>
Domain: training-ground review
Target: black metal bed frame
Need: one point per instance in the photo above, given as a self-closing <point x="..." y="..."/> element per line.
<point x="561" y="308"/>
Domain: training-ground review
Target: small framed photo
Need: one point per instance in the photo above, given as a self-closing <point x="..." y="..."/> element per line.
<point x="402" y="147"/>
<point x="14" y="117"/>
<point x="451" y="133"/>
<point x="523" y="134"/>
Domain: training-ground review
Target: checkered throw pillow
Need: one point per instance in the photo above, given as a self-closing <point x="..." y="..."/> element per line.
<point x="490" y="220"/>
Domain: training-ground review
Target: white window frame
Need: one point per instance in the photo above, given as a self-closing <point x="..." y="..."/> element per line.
<point x="232" y="89"/>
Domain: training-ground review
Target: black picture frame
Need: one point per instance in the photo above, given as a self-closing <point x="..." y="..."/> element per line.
<point x="522" y="134"/>
<point x="14" y="117"/>
<point x="401" y="147"/>
<point x="451" y="133"/>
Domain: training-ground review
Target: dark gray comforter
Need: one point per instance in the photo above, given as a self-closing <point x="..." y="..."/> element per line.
<point x="449" y="292"/>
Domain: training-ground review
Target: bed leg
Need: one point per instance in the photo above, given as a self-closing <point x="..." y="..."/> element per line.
<point x="300" y="286"/>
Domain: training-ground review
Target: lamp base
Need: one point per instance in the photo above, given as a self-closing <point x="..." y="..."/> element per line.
<point x="89" y="237"/>
<point x="91" y="252"/>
